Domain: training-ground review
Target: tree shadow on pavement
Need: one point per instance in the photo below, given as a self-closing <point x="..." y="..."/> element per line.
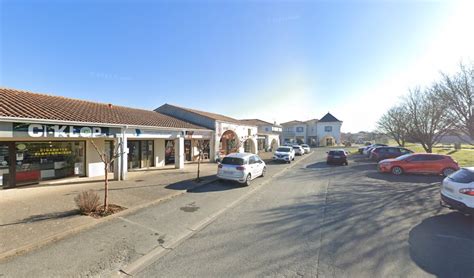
<point x="406" y="178"/>
<point x="46" y="216"/>
<point x="322" y="165"/>
<point x="360" y="223"/>
<point x="443" y="245"/>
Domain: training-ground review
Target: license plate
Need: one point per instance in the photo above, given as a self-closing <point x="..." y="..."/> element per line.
<point x="228" y="172"/>
<point x="336" y="156"/>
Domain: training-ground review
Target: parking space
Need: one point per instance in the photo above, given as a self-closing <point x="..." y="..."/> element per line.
<point x="386" y="217"/>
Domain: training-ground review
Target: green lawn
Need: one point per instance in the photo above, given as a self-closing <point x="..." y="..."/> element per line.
<point x="464" y="156"/>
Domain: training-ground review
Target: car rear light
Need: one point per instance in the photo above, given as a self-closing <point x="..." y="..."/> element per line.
<point x="467" y="191"/>
<point x="240" y="168"/>
<point x="219" y="166"/>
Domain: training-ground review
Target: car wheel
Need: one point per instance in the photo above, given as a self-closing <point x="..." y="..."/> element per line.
<point x="264" y="171"/>
<point x="248" y="180"/>
<point x="293" y="158"/>
<point x="346" y="163"/>
<point x="397" y="170"/>
<point x="448" y="171"/>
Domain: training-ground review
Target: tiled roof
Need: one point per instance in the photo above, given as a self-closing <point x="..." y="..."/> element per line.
<point x="27" y="105"/>
<point x="329" y="118"/>
<point x="292" y="123"/>
<point x="257" y="122"/>
<point x="212" y="116"/>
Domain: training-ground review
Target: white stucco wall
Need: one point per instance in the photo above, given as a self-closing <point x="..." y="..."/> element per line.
<point x="159" y="152"/>
<point x="336" y="130"/>
<point x="94" y="165"/>
<point x="242" y="132"/>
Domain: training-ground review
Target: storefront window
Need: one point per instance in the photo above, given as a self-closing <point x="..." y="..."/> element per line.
<point x="169" y="151"/>
<point x="37" y="161"/>
<point x="4" y="164"/>
<point x="140" y="154"/>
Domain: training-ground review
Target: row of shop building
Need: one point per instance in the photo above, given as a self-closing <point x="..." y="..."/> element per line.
<point x="44" y="137"/>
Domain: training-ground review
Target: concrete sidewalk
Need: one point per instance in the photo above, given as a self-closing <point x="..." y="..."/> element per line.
<point x="33" y="216"/>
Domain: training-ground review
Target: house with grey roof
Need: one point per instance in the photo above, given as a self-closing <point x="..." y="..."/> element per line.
<point x="314" y="132"/>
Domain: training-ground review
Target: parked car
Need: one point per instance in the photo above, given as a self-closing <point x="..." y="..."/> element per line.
<point x="298" y="150"/>
<point x="425" y="163"/>
<point x="306" y="148"/>
<point x="457" y="191"/>
<point x="367" y="149"/>
<point x="337" y="157"/>
<point x="286" y="154"/>
<point x="381" y="153"/>
<point x="241" y="167"/>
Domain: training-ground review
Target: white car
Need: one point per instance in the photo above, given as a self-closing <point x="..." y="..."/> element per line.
<point x="286" y="154"/>
<point x="457" y="191"/>
<point x="306" y="148"/>
<point x="241" y="167"/>
<point x="298" y="150"/>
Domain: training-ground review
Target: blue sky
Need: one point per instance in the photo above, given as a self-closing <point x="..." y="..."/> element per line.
<point x="271" y="60"/>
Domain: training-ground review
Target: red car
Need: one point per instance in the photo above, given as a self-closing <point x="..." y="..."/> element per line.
<point x="425" y="163"/>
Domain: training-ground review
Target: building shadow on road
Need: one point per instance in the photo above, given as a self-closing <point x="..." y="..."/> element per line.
<point x="443" y="245"/>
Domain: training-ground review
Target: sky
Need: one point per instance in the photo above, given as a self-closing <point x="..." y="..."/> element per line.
<point x="272" y="60"/>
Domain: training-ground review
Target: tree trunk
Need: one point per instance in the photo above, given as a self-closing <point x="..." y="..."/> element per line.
<point x="106" y="189"/>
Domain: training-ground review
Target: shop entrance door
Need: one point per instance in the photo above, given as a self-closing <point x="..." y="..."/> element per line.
<point x="133" y="154"/>
<point x="187" y="149"/>
<point x="5" y="165"/>
<point x="146" y="153"/>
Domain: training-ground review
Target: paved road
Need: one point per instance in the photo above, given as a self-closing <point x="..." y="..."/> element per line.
<point x="322" y="221"/>
<point x="314" y="221"/>
<point x="108" y="247"/>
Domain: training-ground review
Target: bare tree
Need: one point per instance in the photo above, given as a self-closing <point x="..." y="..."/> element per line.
<point x="428" y="118"/>
<point x="458" y="92"/>
<point x="201" y="145"/>
<point x="394" y="123"/>
<point x="107" y="160"/>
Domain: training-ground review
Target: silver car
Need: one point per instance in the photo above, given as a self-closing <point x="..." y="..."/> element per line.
<point x="306" y="148"/>
<point x="286" y="154"/>
<point x="241" y="167"/>
<point x="298" y="150"/>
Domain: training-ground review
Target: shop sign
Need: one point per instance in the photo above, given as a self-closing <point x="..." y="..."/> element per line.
<point x="60" y="131"/>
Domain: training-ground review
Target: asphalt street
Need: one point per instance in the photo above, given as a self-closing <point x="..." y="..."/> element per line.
<point x="312" y="220"/>
<point x="331" y="221"/>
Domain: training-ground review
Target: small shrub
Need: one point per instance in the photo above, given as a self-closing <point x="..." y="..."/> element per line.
<point x="87" y="202"/>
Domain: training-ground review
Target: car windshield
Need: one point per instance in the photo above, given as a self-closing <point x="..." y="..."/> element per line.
<point x="336" y="153"/>
<point x="403" y="157"/>
<point x="283" y="150"/>
<point x="233" y="161"/>
<point x="296" y="147"/>
<point x="462" y="176"/>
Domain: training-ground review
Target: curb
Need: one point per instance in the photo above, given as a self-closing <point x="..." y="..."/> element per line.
<point x="61" y="235"/>
<point x="159" y="251"/>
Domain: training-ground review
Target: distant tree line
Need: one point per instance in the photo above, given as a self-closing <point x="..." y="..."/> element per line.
<point x="425" y="115"/>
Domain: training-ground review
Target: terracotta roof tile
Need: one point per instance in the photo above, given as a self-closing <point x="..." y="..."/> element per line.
<point x="28" y="105"/>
